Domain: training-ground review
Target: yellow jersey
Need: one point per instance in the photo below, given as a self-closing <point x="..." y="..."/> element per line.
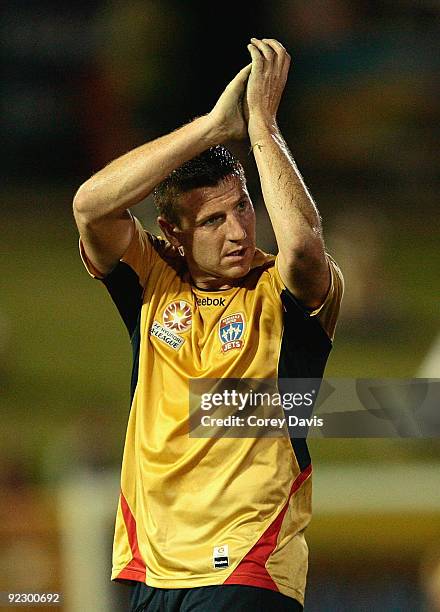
<point x="206" y="511"/>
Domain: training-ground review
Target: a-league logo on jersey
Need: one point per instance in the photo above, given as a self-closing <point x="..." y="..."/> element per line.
<point x="231" y="331"/>
<point x="177" y="316"/>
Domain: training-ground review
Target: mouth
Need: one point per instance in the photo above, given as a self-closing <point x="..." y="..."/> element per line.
<point x="238" y="253"/>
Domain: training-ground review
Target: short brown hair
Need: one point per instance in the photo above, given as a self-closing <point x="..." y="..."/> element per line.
<point x="205" y="170"/>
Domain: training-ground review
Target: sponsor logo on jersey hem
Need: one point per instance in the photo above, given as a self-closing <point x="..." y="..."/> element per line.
<point x="220" y="557"/>
<point x="231" y="331"/>
<point x="166" y="336"/>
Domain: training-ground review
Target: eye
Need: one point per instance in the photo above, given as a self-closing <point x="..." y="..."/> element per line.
<point x="241" y="206"/>
<point x="211" y="220"/>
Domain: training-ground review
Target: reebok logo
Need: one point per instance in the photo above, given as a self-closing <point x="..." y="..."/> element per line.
<point x="207" y="301"/>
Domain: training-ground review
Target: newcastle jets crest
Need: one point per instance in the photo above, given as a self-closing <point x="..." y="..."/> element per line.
<point x="231" y="331"/>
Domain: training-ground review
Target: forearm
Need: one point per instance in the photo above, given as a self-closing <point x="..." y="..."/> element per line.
<point x="294" y="216"/>
<point x="130" y="178"/>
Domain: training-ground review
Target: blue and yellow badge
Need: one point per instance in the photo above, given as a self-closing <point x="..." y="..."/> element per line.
<point x="231" y="330"/>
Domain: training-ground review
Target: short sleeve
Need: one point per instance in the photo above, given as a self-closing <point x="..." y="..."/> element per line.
<point x="327" y="314"/>
<point x="127" y="281"/>
<point x="139" y="256"/>
<point x="94" y="272"/>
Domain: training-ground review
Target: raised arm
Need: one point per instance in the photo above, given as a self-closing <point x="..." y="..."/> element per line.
<point x="295" y="219"/>
<point x="101" y="204"/>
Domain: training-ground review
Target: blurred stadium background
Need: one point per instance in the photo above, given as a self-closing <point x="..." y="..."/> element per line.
<point x="82" y="83"/>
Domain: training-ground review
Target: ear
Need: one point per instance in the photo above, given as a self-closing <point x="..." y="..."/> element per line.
<point x="170" y="231"/>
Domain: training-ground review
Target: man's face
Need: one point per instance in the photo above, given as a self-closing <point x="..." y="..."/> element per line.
<point x="217" y="232"/>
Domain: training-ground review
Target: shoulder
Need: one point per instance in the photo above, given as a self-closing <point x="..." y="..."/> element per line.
<point x="148" y="251"/>
<point x="262" y="274"/>
<point x="265" y="265"/>
<point x="262" y="259"/>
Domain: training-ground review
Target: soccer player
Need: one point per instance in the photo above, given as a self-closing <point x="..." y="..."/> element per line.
<point x="213" y="523"/>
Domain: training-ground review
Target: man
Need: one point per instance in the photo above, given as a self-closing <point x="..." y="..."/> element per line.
<point x="213" y="523"/>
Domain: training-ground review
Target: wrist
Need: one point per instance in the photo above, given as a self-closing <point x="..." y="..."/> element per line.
<point x="215" y="131"/>
<point x="261" y="127"/>
<point x="207" y="130"/>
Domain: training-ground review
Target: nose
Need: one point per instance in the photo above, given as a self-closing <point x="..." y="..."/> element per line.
<point x="236" y="231"/>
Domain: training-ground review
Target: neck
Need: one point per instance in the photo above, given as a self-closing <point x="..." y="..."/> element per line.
<point x="212" y="284"/>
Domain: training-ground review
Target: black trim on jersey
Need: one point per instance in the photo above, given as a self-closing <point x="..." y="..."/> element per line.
<point x="135" y="344"/>
<point x="305" y="345"/>
<point x="305" y="348"/>
<point x="126" y="292"/>
<point x="212" y="290"/>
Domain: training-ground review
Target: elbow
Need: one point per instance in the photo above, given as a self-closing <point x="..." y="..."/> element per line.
<point x="303" y="255"/>
<point x="307" y="249"/>
<point x="84" y="207"/>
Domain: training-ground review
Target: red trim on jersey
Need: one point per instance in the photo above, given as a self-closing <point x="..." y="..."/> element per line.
<point x="136" y="568"/>
<point x="252" y="568"/>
